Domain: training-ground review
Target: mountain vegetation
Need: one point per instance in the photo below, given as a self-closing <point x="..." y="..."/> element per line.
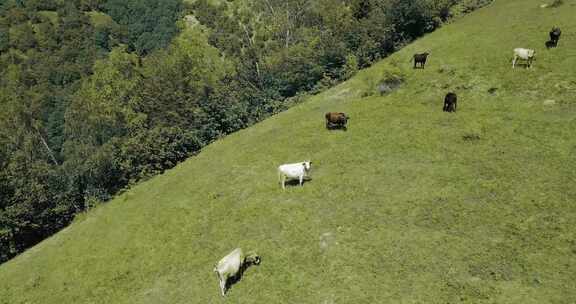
<point x="409" y="205"/>
<point x="99" y="94"/>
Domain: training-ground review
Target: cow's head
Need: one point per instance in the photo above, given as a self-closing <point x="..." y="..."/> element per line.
<point x="342" y="115"/>
<point x="307" y="165"/>
<point x="253" y="258"/>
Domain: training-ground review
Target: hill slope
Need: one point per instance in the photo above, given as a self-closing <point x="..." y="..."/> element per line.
<point x="410" y="205"/>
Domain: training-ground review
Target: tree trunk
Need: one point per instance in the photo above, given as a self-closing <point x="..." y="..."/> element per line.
<point x="47" y="148"/>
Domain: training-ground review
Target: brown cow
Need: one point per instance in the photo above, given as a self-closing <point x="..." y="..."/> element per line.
<point x="336" y="120"/>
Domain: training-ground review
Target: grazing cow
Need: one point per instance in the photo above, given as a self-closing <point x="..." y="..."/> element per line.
<point x="420" y="59"/>
<point x="555" y="35"/>
<point x="524" y="54"/>
<point x="336" y="120"/>
<point x="293" y="171"/>
<point x="450" y="102"/>
<point x="233" y="266"/>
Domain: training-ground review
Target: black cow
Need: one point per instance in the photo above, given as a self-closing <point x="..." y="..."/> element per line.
<point x="555" y="34"/>
<point x="450" y="102"/>
<point x="420" y="59"/>
<point x="336" y="120"/>
<point x="554" y="37"/>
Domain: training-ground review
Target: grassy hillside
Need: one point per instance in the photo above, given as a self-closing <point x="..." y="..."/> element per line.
<point x="410" y="205"/>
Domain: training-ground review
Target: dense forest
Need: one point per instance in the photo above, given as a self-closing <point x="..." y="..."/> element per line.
<point x="99" y="94"/>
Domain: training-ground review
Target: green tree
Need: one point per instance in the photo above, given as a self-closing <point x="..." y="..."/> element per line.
<point x="151" y="24"/>
<point x="102" y="108"/>
<point x="46" y="37"/>
<point x="22" y="37"/>
<point x="4" y="39"/>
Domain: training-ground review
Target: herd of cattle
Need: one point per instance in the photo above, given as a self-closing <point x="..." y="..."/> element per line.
<point x="233" y="265"/>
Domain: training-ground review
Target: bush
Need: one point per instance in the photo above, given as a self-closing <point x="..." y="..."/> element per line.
<point x="391" y="79"/>
<point x="389" y="84"/>
<point x="350" y="67"/>
<point x="557" y="3"/>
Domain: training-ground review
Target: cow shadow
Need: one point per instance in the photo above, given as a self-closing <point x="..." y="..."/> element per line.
<point x="296" y="182"/>
<point x="336" y="127"/>
<point x="238" y="277"/>
<point x="551" y="44"/>
<point x="523" y="65"/>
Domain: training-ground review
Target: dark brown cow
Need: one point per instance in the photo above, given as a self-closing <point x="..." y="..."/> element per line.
<point x="450" y="102"/>
<point x="554" y="37"/>
<point x="336" y="120"/>
<point x="420" y="59"/>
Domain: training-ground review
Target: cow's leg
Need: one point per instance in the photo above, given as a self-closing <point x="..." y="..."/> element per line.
<point x="514" y="61"/>
<point x="283" y="181"/>
<point x="280" y="177"/>
<point x="301" y="179"/>
<point x="222" y="284"/>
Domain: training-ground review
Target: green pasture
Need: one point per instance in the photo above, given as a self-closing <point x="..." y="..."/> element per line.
<point x="410" y="205"/>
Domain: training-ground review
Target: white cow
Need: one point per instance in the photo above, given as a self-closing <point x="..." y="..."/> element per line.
<point x="233" y="265"/>
<point x="293" y="171"/>
<point x="524" y="54"/>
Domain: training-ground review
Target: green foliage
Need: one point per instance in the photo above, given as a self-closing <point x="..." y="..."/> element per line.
<point x="412" y="18"/>
<point x="41" y="61"/>
<point x="151" y="24"/>
<point x="149" y="153"/>
<point x="22" y="37"/>
<point x="350" y="68"/>
<point x="41" y="5"/>
<point x="46" y="37"/>
<point x="4" y="39"/>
